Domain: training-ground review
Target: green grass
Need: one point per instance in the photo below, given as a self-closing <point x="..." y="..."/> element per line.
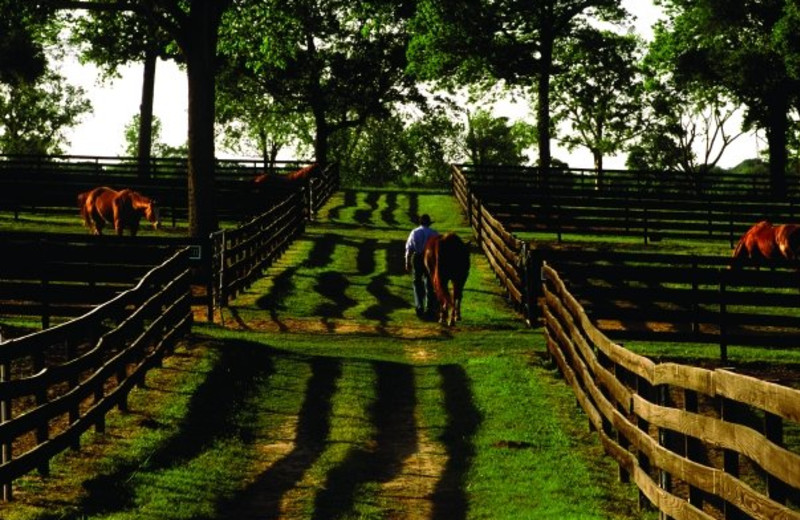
<point x="331" y="400"/>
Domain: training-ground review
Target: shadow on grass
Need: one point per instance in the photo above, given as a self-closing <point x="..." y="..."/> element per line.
<point x="378" y="287"/>
<point x="282" y="287"/>
<point x="392" y="414"/>
<point x="211" y="415"/>
<point x="349" y="201"/>
<point x="387" y="214"/>
<point x="262" y="499"/>
<point x="364" y="216"/>
<point x="463" y="418"/>
<point x="333" y="285"/>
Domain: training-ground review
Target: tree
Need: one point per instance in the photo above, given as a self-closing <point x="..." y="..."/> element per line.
<point x="111" y="37"/>
<point x="22" y="57"/>
<point x="160" y="148"/>
<point x="194" y="26"/>
<point x="34" y="115"/>
<point x="599" y="95"/>
<point x="251" y="121"/>
<point x="340" y="61"/>
<point x="740" y="46"/>
<point x="513" y="40"/>
<point x="492" y="140"/>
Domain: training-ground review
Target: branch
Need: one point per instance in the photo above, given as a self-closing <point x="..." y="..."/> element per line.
<point x="95" y="6"/>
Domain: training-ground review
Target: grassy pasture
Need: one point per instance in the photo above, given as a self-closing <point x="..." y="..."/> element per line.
<point x="321" y="395"/>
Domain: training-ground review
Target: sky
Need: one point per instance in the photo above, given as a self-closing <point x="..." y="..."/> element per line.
<point x="115" y="103"/>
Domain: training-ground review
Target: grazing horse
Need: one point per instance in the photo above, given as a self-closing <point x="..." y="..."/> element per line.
<point x="301" y="174"/>
<point x="446" y="259"/>
<point x="123" y="209"/>
<point x="766" y="244"/>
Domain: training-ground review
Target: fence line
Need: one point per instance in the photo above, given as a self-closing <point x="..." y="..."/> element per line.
<point x="678" y="298"/>
<point x="73" y="374"/>
<point x="698" y="443"/>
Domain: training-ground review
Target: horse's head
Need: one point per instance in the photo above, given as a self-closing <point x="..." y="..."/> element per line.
<point x="152" y="214"/>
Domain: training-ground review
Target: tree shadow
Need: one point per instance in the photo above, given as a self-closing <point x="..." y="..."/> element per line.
<point x="262" y="499"/>
<point x="395" y="258"/>
<point x="392" y="413"/>
<point x="463" y="418"/>
<point x="333" y="285"/>
<point x="387" y="302"/>
<point x="212" y="413"/>
<point x="322" y="251"/>
<point x="349" y="201"/>
<point x="273" y="301"/>
<point x="364" y="216"/>
<point x="365" y="261"/>
<point x="387" y="214"/>
<point x="413" y="208"/>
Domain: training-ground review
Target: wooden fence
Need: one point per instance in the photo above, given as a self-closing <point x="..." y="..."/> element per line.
<point x="65" y="275"/>
<point x="699" y="444"/>
<point x="240" y="255"/>
<point x="58" y="383"/>
<point x="651" y="183"/>
<point x="52" y="183"/>
<point x="652" y="219"/>
<point x="675" y="298"/>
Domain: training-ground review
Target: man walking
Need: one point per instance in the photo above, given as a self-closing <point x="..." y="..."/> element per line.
<point x="423" y="287"/>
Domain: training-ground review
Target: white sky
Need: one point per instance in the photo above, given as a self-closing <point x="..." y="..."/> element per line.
<point x="115" y="103"/>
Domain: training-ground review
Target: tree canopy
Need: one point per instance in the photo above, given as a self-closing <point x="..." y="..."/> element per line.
<point x="745" y="48"/>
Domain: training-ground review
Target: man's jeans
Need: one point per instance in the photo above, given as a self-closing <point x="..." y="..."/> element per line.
<point x="423" y="287"/>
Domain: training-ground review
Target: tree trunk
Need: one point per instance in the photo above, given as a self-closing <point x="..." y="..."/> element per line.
<point x="543" y="108"/>
<point x="597" y="155"/>
<point x="322" y="133"/>
<point x="200" y="54"/>
<point x="777" y="127"/>
<point x="145" y="144"/>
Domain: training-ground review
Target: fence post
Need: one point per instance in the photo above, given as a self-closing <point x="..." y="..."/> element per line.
<point x="730" y="412"/>
<point x="723" y="319"/>
<point x="664" y="440"/>
<point x="773" y="431"/>
<point x="43" y="430"/>
<point x="5" y="416"/>
<point x="644" y="389"/>
<point x="693" y="448"/>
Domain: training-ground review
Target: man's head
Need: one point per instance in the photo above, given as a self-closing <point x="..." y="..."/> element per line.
<point x="425" y="220"/>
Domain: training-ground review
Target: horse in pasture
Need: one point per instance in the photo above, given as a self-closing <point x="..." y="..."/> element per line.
<point x="446" y="258"/>
<point x="270" y="178"/>
<point x="122" y="209"/>
<point x="766" y="244"/>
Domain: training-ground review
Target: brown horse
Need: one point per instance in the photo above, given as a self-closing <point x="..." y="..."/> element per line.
<point x="446" y="259"/>
<point x="123" y="209"/>
<point x="766" y="244"/>
<point x="301" y="174"/>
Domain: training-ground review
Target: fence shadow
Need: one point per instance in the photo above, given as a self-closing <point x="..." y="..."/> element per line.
<point x="211" y="415"/>
<point x="392" y="413"/>
<point x="463" y="418"/>
<point x="262" y="499"/>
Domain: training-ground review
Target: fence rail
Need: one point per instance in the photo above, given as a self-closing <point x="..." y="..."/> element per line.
<point x="668" y="297"/>
<point x="699" y="444"/>
<point x="58" y="383"/>
<point x="651" y="183"/>
<point x="53" y="183"/>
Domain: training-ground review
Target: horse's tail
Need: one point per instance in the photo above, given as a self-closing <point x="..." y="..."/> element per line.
<point x="82" y="199"/>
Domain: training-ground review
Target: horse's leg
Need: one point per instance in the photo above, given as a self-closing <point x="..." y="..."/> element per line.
<point x="458" y="289"/>
<point x="449" y="311"/>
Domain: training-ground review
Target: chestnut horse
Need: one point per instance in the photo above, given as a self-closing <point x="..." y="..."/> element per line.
<point x="766" y="244"/>
<point x="446" y="259"/>
<point x="300" y="174"/>
<point x="123" y="209"/>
